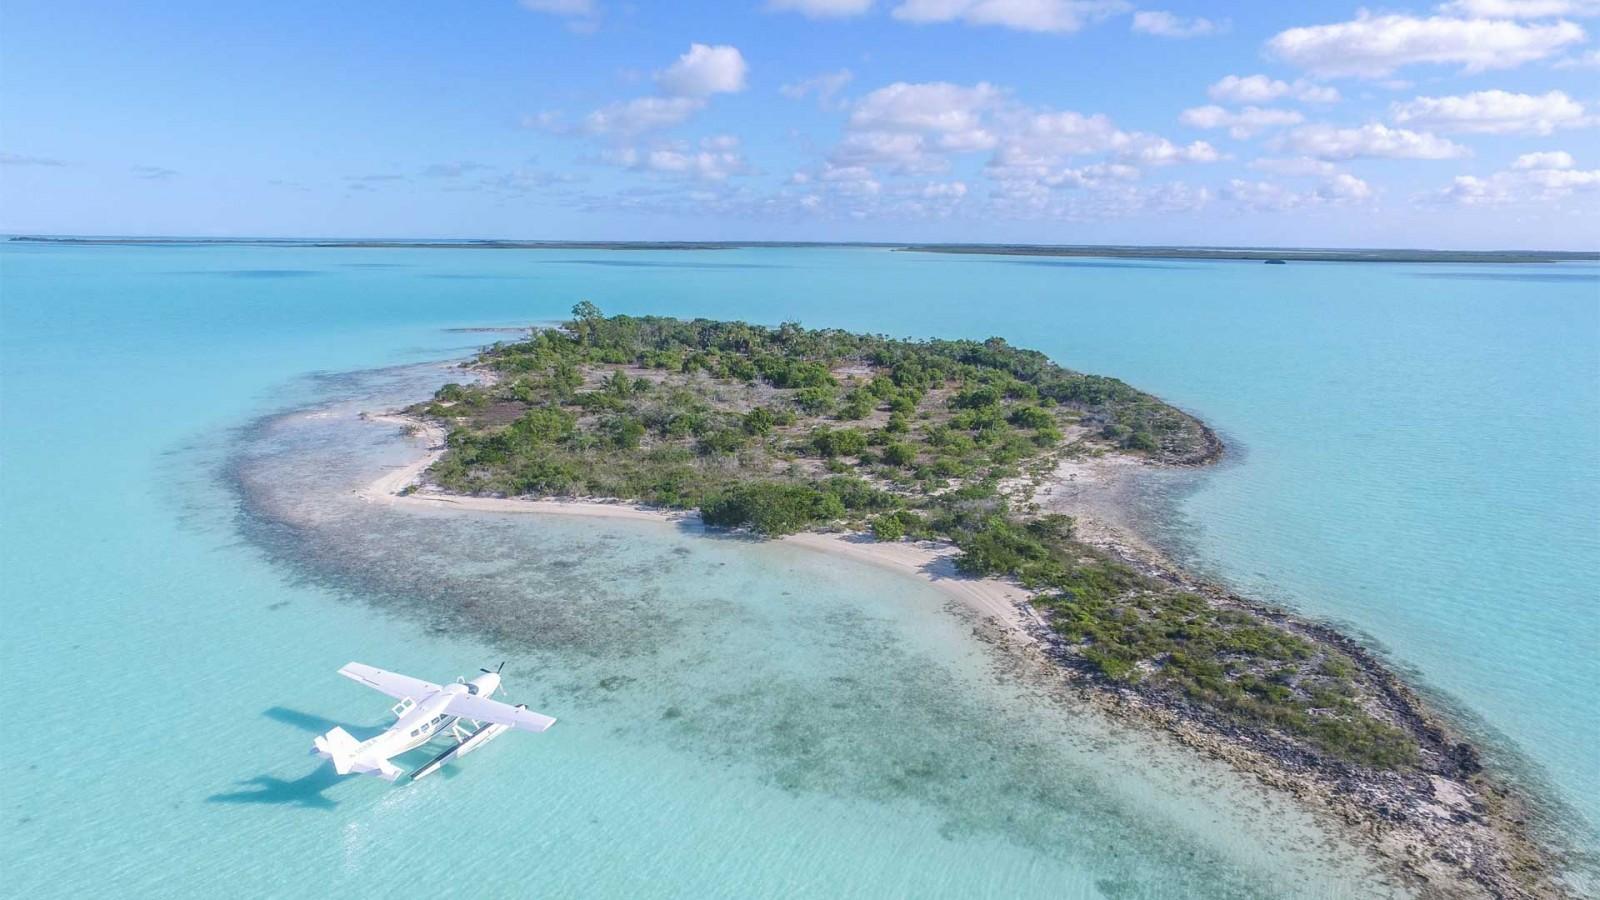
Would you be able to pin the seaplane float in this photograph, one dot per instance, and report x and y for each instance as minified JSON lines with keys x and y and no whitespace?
{"x":464,"y":712}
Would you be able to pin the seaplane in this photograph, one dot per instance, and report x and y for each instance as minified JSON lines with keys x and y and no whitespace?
{"x":464,"y":711}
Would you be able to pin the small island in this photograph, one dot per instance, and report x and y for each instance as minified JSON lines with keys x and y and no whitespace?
{"x":774,"y":431}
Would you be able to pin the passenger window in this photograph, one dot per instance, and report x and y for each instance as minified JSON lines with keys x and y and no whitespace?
{"x":414,"y":732}
{"x":426,"y":726}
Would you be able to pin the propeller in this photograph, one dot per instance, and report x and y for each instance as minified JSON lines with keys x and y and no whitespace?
{"x":496,"y":669}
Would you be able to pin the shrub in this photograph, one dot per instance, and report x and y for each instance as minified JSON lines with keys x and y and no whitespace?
{"x":626,"y":432}
{"x":1031,"y":417}
{"x":771,"y":508}
{"x":815,"y":400}
{"x":840,"y":442}
{"x":888,"y":528}
{"x":899,"y":453}
{"x":758,"y":421}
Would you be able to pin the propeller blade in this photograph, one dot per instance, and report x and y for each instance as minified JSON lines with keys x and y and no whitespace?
{"x":499,"y":667}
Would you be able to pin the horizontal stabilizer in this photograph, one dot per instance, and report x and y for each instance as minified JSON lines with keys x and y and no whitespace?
{"x":338,"y":746}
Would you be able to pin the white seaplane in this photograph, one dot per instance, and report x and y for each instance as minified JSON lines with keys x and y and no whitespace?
{"x":425,"y":711}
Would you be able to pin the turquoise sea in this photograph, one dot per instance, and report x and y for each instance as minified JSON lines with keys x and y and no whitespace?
{"x":1414,"y":451}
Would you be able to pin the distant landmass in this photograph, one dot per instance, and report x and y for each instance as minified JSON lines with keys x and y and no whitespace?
{"x":1268,"y":254}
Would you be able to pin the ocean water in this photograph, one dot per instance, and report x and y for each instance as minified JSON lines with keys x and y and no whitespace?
{"x":183,"y":566}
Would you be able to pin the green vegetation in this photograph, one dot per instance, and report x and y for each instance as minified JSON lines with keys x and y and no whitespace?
{"x":786,"y":429}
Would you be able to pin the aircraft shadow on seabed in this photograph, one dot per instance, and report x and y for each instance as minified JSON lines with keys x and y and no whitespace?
{"x":307,"y":790}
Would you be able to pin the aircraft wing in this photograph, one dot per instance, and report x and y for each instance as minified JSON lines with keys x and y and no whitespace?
{"x":485,"y":710}
{"x":394,"y":684}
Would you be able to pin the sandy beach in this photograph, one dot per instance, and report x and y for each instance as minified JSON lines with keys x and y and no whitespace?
{"x":999,"y":603}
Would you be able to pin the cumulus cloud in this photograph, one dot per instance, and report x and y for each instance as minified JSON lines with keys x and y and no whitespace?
{"x":1294,"y":165}
{"x":683,"y":89}
{"x":901,"y":151}
{"x":1241,"y":124}
{"x":1521,"y":9}
{"x":1375,"y":46}
{"x":632,"y":117}
{"x":1550,"y":159}
{"x":1153,"y":151}
{"x":1261,"y":89}
{"x":1534,"y":179}
{"x":930,"y":106}
{"x":824,"y":87}
{"x":1025,"y":15}
{"x":714,"y":159}
{"x":1338,"y":189}
{"x":703,"y":71}
{"x":821,"y":9}
{"x":1371,"y":141}
{"x":1590,"y":60}
{"x":1168,"y":25}
{"x":1493,"y":112}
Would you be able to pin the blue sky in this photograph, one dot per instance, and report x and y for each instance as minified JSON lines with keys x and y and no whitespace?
{"x":1468,"y":123}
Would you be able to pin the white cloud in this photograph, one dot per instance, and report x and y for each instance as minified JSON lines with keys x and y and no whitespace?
{"x":903,"y":151}
{"x":1493,"y":112}
{"x":1374,"y":46}
{"x":1064,"y":133}
{"x":1521,"y":9}
{"x":954,"y":112}
{"x":562,"y":7}
{"x":1261,"y":89}
{"x":631,"y":117}
{"x":1551,"y":159}
{"x":703,"y":71}
{"x":685,"y":88}
{"x":582,"y":15}
{"x":1295,"y":165}
{"x":1339,"y":189}
{"x":1025,"y":15}
{"x":1168,"y":25}
{"x":1590,"y":60}
{"x":1345,"y":187}
{"x":715,"y":159}
{"x":1535,"y":178}
{"x":824,"y":87}
{"x":1242,"y":124}
{"x":1153,"y":151}
{"x":1371,"y":141}
{"x":821,"y":9}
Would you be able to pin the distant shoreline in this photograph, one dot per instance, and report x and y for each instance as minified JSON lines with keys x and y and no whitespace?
{"x":1251,"y":254}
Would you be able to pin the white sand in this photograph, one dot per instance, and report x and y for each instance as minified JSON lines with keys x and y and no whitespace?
{"x":999,"y":602}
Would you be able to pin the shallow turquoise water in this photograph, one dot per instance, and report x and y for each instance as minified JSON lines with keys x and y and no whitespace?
{"x":1415,"y":458}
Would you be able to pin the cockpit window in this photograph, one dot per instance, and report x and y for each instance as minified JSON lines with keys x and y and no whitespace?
{"x":472,"y":689}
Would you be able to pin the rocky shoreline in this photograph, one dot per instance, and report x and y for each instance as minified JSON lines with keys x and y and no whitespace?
{"x":1448,"y":827}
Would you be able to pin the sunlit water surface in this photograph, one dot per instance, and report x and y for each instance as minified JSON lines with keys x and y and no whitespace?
{"x":185,"y":565}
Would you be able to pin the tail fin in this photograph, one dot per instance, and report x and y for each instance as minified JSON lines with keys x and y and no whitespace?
{"x":338,"y":746}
